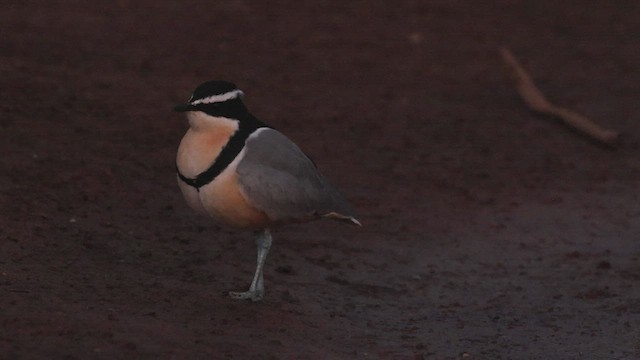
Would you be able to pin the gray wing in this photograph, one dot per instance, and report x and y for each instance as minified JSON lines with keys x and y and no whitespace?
{"x":279,"y":179}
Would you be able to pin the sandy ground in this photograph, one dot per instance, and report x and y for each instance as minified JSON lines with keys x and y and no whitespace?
{"x":490,"y":232}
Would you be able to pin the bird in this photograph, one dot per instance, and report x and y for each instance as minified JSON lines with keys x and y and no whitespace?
{"x":246,"y":175}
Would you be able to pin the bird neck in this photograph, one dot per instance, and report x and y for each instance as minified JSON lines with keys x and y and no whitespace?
{"x":200,"y":121}
{"x":210,"y":129}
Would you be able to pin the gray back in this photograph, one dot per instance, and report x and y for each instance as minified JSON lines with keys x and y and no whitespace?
{"x":280,"y":180}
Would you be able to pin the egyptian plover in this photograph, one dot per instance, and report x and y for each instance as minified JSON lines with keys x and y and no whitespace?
{"x":245,"y":174}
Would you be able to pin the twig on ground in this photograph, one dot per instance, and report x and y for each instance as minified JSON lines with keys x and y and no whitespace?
{"x":536,"y":101}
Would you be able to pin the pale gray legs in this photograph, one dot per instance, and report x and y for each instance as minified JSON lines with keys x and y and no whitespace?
{"x":256,"y":290}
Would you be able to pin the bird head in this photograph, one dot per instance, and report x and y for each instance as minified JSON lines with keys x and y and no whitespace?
{"x":216,"y":98}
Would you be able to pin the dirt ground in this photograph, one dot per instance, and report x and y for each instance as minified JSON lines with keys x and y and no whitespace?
{"x":489,"y":232}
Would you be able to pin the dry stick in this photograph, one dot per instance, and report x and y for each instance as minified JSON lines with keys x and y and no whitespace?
{"x":539,"y":103}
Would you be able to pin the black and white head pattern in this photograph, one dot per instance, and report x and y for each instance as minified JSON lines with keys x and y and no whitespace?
{"x":216,"y":98}
{"x":212,"y":92}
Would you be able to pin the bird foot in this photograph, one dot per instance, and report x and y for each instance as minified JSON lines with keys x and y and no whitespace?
{"x":254,"y":295}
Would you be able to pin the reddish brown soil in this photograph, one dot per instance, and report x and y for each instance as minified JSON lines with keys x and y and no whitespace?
{"x":490,"y":232}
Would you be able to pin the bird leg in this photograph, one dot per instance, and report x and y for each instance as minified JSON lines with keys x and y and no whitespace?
{"x":256,"y":290}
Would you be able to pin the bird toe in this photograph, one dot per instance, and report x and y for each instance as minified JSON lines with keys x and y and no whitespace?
{"x":246,"y":295}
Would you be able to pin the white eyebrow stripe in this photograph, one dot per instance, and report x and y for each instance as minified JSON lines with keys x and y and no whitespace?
{"x":219,"y":98}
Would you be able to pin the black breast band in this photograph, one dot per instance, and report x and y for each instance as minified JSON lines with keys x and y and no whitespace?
{"x":228,"y":153}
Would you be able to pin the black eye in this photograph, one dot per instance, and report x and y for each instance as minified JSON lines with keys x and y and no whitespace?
{"x":213,"y":107}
